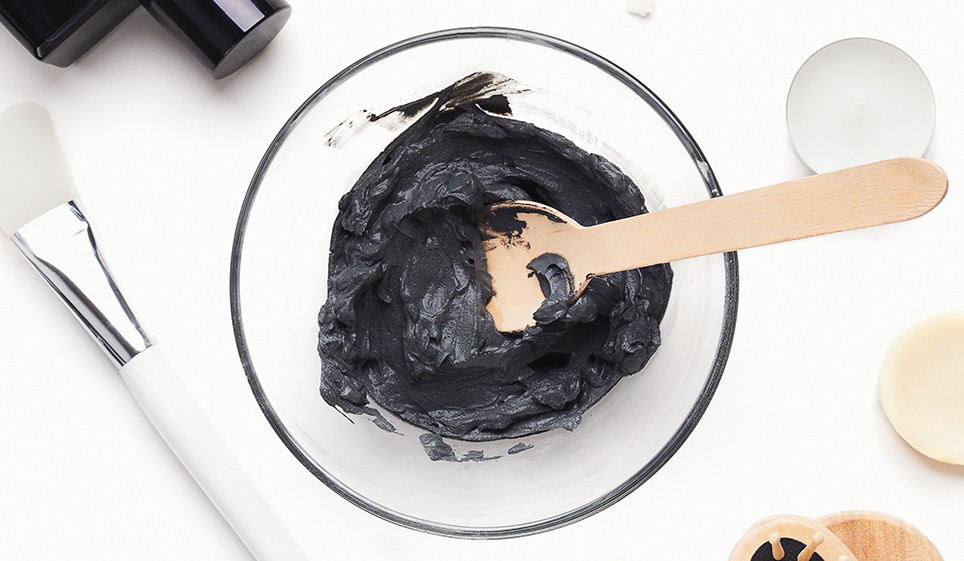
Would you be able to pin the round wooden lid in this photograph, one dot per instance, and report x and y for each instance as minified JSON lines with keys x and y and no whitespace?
{"x":874,"y":535}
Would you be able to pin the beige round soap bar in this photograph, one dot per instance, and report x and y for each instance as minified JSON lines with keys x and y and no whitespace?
{"x":875,"y":535}
{"x":922,"y":387}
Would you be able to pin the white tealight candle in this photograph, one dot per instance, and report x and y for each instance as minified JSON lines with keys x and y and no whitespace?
{"x":858,"y":101}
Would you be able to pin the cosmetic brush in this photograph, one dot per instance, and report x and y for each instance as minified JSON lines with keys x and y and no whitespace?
{"x":41,"y":212}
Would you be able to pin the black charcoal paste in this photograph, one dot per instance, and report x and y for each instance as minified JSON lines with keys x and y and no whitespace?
{"x":405,"y":324}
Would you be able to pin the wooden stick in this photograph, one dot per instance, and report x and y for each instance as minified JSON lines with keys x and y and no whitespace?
{"x":807,"y":552}
{"x":869,"y":195}
{"x":777,"y":546}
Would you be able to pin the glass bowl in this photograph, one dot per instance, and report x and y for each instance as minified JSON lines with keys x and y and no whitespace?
{"x":279,"y":270}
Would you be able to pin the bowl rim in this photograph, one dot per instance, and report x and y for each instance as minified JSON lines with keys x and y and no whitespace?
{"x":643,"y":474}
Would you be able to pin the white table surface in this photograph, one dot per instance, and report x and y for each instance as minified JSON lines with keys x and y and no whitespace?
{"x":162,"y":156}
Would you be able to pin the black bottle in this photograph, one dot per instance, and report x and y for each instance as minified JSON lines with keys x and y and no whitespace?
{"x":223,"y":34}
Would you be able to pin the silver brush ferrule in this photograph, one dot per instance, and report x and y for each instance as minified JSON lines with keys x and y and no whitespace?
{"x":61,"y":246}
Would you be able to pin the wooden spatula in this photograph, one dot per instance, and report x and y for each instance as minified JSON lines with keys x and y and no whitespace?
{"x":515,"y":233}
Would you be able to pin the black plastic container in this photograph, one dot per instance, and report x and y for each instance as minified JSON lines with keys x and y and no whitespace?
{"x":223,"y":34}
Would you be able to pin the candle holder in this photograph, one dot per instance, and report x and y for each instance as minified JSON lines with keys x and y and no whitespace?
{"x":858,"y":101}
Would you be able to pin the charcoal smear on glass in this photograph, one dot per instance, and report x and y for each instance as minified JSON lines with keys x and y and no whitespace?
{"x":405,"y":325}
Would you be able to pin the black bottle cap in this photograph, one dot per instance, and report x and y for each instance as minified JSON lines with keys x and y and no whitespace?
{"x":223,"y":34}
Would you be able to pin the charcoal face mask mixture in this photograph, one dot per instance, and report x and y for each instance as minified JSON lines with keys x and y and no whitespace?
{"x":405,"y":325}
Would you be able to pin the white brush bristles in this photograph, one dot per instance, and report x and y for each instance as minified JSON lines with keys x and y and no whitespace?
{"x":34,"y":176}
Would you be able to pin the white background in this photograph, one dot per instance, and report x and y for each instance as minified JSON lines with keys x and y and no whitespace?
{"x":162,"y":156}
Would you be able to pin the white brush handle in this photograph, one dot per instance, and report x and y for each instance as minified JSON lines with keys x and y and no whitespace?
{"x":192,"y":437}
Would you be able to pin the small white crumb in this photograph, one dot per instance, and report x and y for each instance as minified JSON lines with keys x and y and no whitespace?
{"x":640,"y":7}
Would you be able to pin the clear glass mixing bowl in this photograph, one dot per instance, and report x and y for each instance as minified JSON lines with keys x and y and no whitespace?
{"x":279,"y":282}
